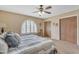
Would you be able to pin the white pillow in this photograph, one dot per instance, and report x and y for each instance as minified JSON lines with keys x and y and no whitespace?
{"x":3,"y":46}
{"x":3,"y":35}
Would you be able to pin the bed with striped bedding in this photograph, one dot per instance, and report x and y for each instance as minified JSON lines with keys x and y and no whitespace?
{"x":33,"y":44}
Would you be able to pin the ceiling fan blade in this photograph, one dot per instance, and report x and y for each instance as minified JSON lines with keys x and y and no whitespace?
{"x":35,"y":11}
{"x":47,"y":12}
{"x":48,"y":7}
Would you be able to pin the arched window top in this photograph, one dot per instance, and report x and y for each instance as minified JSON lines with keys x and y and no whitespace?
{"x":29,"y":26}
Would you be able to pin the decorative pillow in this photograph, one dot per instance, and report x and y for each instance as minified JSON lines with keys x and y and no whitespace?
{"x":11,"y":41}
{"x":3,"y":46}
{"x":18,"y":37}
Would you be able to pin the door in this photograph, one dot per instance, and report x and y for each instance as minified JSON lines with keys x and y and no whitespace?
{"x":68,"y":29}
{"x":47,"y":29}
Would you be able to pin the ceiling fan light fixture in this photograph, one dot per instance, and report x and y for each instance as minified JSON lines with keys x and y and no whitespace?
{"x":43,"y":12}
{"x":40,"y":13}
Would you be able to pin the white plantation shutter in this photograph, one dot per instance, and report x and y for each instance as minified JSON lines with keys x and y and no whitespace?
{"x":29,"y":27}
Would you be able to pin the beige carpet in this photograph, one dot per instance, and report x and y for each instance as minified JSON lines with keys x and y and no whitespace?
{"x":64,"y":47}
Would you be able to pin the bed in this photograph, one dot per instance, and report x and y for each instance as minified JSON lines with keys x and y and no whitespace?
{"x":33,"y":44}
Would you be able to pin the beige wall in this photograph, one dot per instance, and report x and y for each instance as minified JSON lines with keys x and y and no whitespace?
{"x":14,"y":21}
{"x":55,"y":19}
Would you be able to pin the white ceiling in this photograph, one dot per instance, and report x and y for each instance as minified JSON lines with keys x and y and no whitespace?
{"x":28,"y":9}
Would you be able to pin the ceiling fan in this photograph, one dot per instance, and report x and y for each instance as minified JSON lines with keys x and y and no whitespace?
{"x":41,"y":10}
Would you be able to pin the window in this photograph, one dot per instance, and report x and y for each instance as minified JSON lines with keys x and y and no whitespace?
{"x":29,"y":27}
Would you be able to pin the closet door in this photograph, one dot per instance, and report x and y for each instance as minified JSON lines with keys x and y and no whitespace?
{"x":68,"y":29}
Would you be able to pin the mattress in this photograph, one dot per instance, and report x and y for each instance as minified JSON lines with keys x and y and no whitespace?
{"x":31,"y":44}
